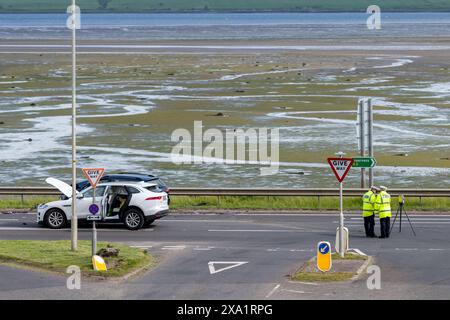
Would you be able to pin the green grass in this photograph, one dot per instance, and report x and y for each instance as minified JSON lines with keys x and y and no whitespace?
{"x":440,"y":204}
{"x":56,"y":256}
{"x":348,"y":256}
{"x":318,"y":276}
{"x":298,"y":203}
{"x":28,"y":202}
{"x":218,"y":5}
{"x":322,"y":277}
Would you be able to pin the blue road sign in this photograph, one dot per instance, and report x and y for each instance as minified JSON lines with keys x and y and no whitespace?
{"x":94,"y":209}
{"x":324,"y":248}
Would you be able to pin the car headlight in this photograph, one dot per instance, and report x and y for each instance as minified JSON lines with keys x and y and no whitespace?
{"x":42,"y":207}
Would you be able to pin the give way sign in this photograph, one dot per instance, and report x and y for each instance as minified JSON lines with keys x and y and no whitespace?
{"x":93,"y":175}
{"x":340,"y":167}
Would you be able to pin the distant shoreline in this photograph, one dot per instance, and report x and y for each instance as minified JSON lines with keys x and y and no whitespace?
{"x":87,"y":11}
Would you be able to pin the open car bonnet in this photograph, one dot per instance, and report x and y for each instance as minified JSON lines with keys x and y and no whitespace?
{"x":61,"y":186}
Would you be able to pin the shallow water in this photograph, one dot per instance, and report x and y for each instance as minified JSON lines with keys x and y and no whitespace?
{"x":225,"y":26}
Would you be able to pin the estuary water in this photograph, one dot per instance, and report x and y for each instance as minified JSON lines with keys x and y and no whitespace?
{"x":199,"y":26}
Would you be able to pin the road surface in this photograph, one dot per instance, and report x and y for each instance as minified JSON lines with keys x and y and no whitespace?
{"x":265,"y":248}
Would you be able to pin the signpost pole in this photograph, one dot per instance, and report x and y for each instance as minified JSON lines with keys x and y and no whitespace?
{"x":362,"y":140}
{"x":94,"y":231}
{"x":341,"y":167}
{"x":94,"y":239}
{"x":74,"y":222}
{"x":370,"y":136}
{"x":341,"y":217}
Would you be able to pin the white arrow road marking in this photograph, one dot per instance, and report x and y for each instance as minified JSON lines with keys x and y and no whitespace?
{"x":232,"y":264}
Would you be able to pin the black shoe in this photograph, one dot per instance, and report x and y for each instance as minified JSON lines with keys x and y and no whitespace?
{"x":381,"y":237}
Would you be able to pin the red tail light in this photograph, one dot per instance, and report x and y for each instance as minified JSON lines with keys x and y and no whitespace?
{"x":154,"y":198}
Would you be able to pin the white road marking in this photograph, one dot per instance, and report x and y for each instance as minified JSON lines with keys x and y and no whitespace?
{"x":232,"y":264}
{"x":432,"y":249}
{"x":294,"y":291}
{"x":66,"y":230}
{"x":141,"y":247}
{"x":307,"y":283}
{"x":203,"y":248}
{"x":358,"y":251}
{"x":203,"y":220}
{"x":406,"y":249}
{"x":9,"y":219}
{"x":173,"y":247}
{"x":273,"y":291}
{"x":256,"y":230}
{"x":414,"y":219}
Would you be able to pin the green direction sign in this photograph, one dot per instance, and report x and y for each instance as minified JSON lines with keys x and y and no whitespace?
{"x":364,"y":162}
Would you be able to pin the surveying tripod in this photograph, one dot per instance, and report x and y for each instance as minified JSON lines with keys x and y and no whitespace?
{"x":401,"y":210}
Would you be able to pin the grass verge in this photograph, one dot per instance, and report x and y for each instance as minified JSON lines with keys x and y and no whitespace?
{"x":322,"y":277}
{"x":56,"y":256}
{"x":348,"y":256}
{"x":310,"y":273}
{"x":438,"y":204}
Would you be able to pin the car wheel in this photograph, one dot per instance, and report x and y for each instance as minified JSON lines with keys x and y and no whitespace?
{"x":55,"y":219}
{"x":133,"y":219}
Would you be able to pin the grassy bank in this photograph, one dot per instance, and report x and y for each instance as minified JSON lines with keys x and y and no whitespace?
{"x":56,"y":256}
{"x":258,"y":202}
{"x":34,"y":6}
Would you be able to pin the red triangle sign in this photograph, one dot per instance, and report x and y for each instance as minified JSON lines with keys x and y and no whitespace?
{"x":340,"y":166}
{"x":93,"y":175}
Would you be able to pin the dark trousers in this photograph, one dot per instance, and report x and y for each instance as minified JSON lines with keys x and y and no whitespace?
{"x":369,"y":226}
{"x":385,"y":226}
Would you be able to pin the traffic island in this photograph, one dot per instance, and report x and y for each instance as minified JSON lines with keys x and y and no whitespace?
{"x":56,"y":257}
{"x":342,"y":269}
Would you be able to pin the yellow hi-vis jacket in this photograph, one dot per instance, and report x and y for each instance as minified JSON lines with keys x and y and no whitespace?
{"x":383,"y":205}
{"x":369,"y":199}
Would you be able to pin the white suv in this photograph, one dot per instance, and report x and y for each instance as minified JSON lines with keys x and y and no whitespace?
{"x":135,"y":204}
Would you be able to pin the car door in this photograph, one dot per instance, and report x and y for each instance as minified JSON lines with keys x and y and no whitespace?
{"x":88,"y":199}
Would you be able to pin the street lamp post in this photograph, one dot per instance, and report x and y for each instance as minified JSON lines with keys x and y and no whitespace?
{"x":74,"y":224}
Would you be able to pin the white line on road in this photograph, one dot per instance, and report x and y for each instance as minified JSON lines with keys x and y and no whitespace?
{"x":203,"y":248}
{"x":66,"y":230}
{"x":173,"y":247}
{"x":141,"y":247}
{"x":273,"y":291}
{"x":257,"y":230}
{"x":307,"y":283}
{"x":232,"y":264}
{"x":294,"y":291}
{"x":202,"y":220}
